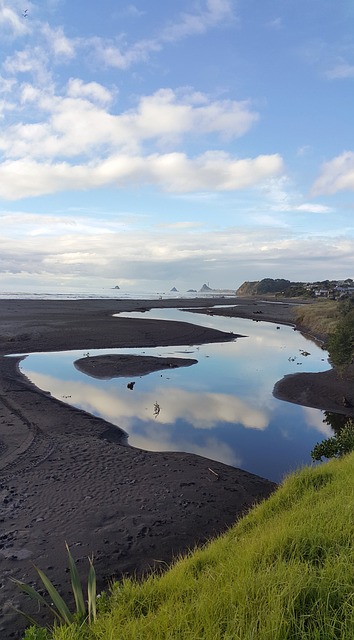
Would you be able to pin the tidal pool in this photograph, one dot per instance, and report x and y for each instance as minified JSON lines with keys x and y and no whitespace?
{"x":221,"y":408}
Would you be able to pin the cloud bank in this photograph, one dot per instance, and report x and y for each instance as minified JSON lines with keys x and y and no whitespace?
{"x":336,"y":175}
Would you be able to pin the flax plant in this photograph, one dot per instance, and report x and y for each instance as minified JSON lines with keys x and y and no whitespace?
{"x":62,"y":615}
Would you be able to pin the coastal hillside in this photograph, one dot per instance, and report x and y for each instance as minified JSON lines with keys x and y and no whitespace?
{"x":282,"y":572}
{"x":332,"y":289}
{"x":261,"y":287}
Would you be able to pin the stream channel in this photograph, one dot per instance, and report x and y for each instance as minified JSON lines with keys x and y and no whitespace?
{"x":221,"y":408}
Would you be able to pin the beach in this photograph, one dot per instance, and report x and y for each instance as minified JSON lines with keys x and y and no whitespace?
{"x":69,"y":476}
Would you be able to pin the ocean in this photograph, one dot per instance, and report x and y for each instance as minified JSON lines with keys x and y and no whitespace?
{"x":106,"y":293}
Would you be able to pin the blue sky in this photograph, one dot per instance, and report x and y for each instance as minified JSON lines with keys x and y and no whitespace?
{"x":153,"y":144}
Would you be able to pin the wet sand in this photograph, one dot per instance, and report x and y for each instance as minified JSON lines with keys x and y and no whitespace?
{"x":66,"y":475}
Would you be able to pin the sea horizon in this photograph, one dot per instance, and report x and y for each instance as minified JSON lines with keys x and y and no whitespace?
{"x":109,"y":293}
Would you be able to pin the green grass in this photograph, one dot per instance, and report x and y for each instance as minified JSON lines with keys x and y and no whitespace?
{"x":283,"y":572}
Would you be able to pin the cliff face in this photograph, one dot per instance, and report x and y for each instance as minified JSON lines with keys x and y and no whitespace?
{"x":247,"y":288}
{"x":259,"y":287}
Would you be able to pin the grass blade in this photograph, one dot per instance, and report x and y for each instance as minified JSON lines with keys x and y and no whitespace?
{"x":76,"y":586}
{"x":27,"y":616}
{"x":91,"y":592}
{"x":58,"y":601}
{"x":32,"y":593}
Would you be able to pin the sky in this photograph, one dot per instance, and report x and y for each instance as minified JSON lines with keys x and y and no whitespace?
{"x":151,"y":145}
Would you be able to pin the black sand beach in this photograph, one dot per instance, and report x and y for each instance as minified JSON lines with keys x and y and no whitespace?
{"x":68,"y":476}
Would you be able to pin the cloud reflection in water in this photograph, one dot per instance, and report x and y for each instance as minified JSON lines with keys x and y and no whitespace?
{"x":222,"y":408}
{"x":135,"y":414}
{"x":201,"y":409}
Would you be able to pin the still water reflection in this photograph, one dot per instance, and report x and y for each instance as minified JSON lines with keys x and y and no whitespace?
{"x":222,"y":407}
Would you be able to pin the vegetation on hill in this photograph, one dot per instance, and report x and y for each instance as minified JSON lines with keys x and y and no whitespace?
{"x":285,"y":571}
{"x":261,"y":287}
{"x":340,"y":343}
{"x":320,"y":318}
{"x":334,"y":289}
{"x":270,"y":286}
{"x":334,"y":322}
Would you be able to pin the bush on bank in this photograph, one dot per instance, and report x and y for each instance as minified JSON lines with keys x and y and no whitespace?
{"x":283,"y":572}
{"x":341,"y":341}
{"x":338,"y":445}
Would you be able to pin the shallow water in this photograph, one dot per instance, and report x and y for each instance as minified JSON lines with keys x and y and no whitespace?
{"x":221,"y":408}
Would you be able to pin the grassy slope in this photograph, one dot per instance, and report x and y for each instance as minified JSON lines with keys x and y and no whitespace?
{"x":285,"y":571}
{"x":320,"y":317}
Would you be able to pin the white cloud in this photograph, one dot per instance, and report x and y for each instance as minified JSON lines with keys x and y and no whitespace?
{"x":167,"y":113}
{"x":283,"y":198}
{"x":309,"y":207}
{"x":180,"y":225}
{"x":11,"y":20}
{"x":58,"y":43}
{"x":6,"y":84}
{"x":332,"y":58}
{"x":119,"y":149}
{"x":123,"y":56}
{"x":91,"y":90}
{"x":277,"y":190}
{"x":86,"y":247}
{"x":79,"y":124}
{"x":336,"y":175}
{"x":174,"y":172}
{"x":54,"y":43}
{"x":341,"y":71}
{"x":214,"y":12}
{"x":75,"y":258}
{"x":214,"y":170}
{"x":32,"y":61}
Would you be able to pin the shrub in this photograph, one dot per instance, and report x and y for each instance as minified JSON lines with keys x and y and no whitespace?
{"x":36,"y":633}
{"x":341,"y":342}
{"x":336,"y":446}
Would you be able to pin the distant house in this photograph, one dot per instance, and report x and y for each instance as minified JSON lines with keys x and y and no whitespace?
{"x":344,"y":291}
{"x":322,"y":293}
